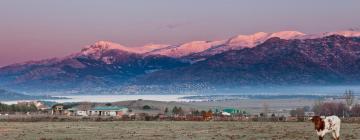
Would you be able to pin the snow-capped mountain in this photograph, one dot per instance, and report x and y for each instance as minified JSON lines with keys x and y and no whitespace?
{"x":321,"y":35}
{"x":103,"y":64}
{"x":185,"y":49}
{"x":260,"y":37}
{"x":196,"y":50}
{"x":204,"y":48}
{"x":329,"y":60}
{"x":281,"y":57}
{"x":107,"y":45}
{"x":190,"y":47}
{"x":215,"y":47}
{"x":240,"y":42}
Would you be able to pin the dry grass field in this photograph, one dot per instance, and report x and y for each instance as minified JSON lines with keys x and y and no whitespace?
{"x":167,"y":130}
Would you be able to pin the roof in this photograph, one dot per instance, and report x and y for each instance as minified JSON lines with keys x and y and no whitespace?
{"x":108,"y":108}
{"x":230,"y":110}
{"x":84,"y":106}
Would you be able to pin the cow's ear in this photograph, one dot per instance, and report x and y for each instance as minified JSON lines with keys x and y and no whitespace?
{"x":311,"y":119}
{"x":315,"y":119}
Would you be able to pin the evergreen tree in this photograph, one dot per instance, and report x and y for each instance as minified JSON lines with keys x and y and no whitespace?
{"x":166,"y":111}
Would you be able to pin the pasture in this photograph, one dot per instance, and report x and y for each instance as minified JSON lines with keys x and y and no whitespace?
{"x":167,"y":130}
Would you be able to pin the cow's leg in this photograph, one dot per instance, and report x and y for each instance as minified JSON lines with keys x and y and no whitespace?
{"x":337,"y":133}
{"x":334,"y":135}
{"x":321,"y":138}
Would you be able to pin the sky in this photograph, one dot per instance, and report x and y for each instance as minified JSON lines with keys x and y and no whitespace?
{"x":38,"y":29}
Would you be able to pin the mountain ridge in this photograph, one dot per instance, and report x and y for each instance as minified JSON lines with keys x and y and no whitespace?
{"x":333,"y":59}
{"x":151,"y":49}
{"x":330,"y":60}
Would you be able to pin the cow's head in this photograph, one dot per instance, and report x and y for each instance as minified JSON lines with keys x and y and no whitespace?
{"x":319,"y":123}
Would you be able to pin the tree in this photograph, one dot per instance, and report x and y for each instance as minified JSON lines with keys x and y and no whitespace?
{"x":355,"y":111}
{"x":349,"y":98}
{"x":17,"y":108}
{"x":166,"y":111}
{"x":146,"y":107}
{"x":317,"y":108}
{"x":203,"y":112}
{"x":175,"y":110}
{"x":196,"y":113}
{"x":180,"y":111}
{"x":298,"y":112}
{"x":266,"y":109}
{"x":330,"y":108}
{"x":306,"y":108}
{"x":244,"y":113}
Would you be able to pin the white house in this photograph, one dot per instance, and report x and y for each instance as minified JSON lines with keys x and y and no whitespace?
{"x":108,"y":111}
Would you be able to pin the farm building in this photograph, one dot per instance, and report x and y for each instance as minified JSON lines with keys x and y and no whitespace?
{"x":108,"y":111}
{"x":75,"y":111}
{"x":207,"y":116}
{"x":309,"y":114}
{"x":58,"y":110}
{"x":81,"y":110}
{"x":231,"y":111}
{"x":279,"y":113}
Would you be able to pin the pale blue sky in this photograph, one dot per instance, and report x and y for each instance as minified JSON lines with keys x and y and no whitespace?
{"x":35,"y":29}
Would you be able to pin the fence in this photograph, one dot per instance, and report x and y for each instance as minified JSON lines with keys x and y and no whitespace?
{"x":145,"y":117}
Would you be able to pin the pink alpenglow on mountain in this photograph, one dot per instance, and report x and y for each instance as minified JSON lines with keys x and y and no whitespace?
{"x":186,"y":49}
{"x":209,"y":47}
{"x":260,"y":37}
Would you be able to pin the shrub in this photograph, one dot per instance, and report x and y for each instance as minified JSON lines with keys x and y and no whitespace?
{"x":146,"y":107}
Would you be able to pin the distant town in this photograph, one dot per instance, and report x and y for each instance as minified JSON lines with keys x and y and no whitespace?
{"x":345,"y":106}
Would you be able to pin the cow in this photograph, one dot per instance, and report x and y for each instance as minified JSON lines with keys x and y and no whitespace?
{"x":327,"y":125}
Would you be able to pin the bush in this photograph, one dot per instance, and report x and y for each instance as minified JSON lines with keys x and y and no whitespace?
{"x":146,"y":107}
{"x":355,"y":111}
{"x":17,"y":108}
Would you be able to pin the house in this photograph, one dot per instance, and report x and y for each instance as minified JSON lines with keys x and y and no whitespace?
{"x":108,"y":111}
{"x":77,"y":112}
{"x":207,"y":116}
{"x":58,"y":110}
{"x":225,"y":114}
{"x":81,"y":110}
{"x":279,"y":113}
{"x":231,"y":111}
{"x":309,"y":114}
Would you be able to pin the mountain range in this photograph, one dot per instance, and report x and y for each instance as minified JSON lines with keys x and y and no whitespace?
{"x":9,"y":96}
{"x":281,"y":58}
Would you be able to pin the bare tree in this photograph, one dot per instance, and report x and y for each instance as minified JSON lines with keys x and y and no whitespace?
{"x":298,"y":112}
{"x":355,"y":111}
{"x":166,"y":111}
{"x":349,"y":98}
{"x":317,"y":108}
{"x":266,"y":109}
